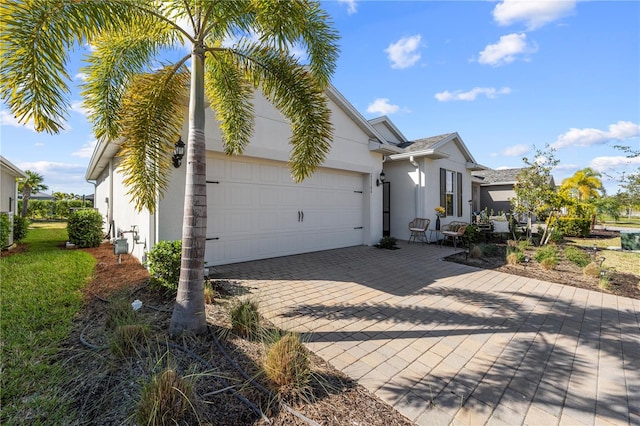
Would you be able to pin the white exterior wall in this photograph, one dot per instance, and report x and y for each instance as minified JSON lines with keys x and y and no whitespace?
{"x":349,"y":152}
{"x":125,"y":216}
{"x":8,"y":191}
{"x":404,"y":183}
{"x":415,"y":191}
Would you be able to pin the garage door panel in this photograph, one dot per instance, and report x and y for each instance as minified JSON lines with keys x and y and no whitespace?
{"x":256,"y":211}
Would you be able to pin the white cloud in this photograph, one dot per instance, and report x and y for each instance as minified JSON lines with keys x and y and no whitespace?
{"x":64,"y":177}
{"x":620,"y":131}
{"x":471,"y":95}
{"x":78,"y":107}
{"x":515,"y":150}
{"x":404,"y":52}
{"x":352,"y":6}
{"x":533,"y":13}
{"x":6,"y":119}
{"x":382,"y":106}
{"x":604,"y":164}
{"x":81,"y":76}
{"x":505,"y":50}
{"x":86,"y":151}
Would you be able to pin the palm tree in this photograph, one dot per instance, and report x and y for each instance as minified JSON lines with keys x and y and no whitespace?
{"x":33,"y":183}
{"x":138,"y":97}
{"x":585,"y":184}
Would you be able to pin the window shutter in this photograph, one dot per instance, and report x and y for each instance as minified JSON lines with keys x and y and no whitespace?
{"x":443,"y":187}
{"x":459,"y":194}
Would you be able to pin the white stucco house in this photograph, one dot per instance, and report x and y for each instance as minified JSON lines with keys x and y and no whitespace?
{"x":9,"y":175}
{"x":256,"y":211}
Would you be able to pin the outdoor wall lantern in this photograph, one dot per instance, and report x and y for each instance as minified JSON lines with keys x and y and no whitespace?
{"x":380,"y":179}
{"x":178,"y":153}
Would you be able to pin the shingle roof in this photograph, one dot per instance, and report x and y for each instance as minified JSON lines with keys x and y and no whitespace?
{"x":491,"y":176}
{"x":424,"y":143}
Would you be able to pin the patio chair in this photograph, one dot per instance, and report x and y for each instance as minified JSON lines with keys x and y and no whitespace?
{"x":454,"y":232}
{"x":418,"y":228}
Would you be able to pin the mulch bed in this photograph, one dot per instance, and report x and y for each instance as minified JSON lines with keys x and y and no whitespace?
{"x":567,"y":273}
{"x":106,"y":388}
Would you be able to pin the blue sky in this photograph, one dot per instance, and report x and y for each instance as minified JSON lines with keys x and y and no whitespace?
{"x":505,"y":75}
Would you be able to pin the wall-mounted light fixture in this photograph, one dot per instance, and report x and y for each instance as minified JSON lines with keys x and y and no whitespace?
{"x":178,"y":153}
{"x":380,"y":179}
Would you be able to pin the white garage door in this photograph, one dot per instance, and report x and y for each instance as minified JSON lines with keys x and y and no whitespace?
{"x":255,"y":211}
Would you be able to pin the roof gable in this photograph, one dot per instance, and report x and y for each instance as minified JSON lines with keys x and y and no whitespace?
{"x":431,"y":147}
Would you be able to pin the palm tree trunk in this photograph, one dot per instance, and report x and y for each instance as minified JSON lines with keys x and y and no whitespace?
{"x":26,"y":194}
{"x":188,"y":312}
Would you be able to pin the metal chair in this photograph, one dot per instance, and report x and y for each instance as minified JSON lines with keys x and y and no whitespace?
{"x":454,"y":232}
{"x":418,"y":228}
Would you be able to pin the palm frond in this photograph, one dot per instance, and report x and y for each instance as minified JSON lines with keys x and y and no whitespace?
{"x":298,"y":95}
{"x":35,"y":38}
{"x":152,"y":116}
{"x":230,"y":95}
{"x":283,"y":24}
{"x":117,"y":56}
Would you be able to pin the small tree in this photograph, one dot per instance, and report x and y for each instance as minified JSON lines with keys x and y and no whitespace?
{"x":535,"y":191}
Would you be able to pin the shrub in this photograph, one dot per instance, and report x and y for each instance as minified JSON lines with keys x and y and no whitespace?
{"x":163,"y":262}
{"x":546,"y":252}
{"x":20,"y":227}
{"x":592,"y":270}
{"x":577,"y":256}
{"x":549,"y":263}
{"x":574,"y":226}
{"x":515,"y":257}
{"x":287,"y":365}
{"x":556,"y":236}
{"x":5,"y":230}
{"x":524,"y":245}
{"x":387,"y":242}
{"x":85,"y":228}
{"x":489,"y":250}
{"x":472,"y":234}
{"x":165,"y":399}
{"x":245,"y":318}
{"x":475,"y":252}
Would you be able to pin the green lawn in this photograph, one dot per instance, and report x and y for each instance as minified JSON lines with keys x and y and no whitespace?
{"x":619,"y":260}
{"x":39,"y":295}
{"x":623,"y":222}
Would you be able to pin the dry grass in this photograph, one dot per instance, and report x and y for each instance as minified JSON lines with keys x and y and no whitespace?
{"x":287,"y":366}
{"x":165,"y":399}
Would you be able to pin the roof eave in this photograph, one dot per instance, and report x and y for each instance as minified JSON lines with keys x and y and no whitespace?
{"x":428,"y":153}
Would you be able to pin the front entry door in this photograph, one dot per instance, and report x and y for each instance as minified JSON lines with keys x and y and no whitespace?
{"x":386,"y":209}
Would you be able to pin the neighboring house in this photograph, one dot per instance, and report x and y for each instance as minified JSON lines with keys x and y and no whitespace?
{"x":255,"y":210}
{"x":423,"y":174}
{"x":9,"y":174}
{"x":496,"y":188}
{"x":41,"y":196}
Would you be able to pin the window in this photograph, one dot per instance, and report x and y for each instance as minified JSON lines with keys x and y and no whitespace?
{"x":451,"y":192}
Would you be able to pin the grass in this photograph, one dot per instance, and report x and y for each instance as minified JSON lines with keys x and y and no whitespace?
{"x":624,"y":222}
{"x":620,"y":260}
{"x":40,"y":294}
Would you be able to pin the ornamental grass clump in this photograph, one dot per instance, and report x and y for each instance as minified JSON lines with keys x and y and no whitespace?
{"x":592,"y":270}
{"x":165,"y":399}
{"x":549,"y":263}
{"x":245,"y":319}
{"x":287,"y":366}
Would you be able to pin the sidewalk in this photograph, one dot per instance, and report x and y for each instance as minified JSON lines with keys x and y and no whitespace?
{"x":445,"y":343}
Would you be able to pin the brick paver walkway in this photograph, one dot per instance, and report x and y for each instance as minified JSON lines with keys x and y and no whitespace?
{"x":444,"y":343}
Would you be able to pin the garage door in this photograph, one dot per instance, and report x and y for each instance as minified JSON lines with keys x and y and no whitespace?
{"x":255,"y":211}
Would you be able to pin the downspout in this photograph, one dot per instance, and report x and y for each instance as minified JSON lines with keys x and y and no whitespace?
{"x":415,"y":164}
{"x":110,"y":204}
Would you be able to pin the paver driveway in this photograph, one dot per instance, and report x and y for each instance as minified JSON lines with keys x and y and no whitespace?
{"x":449,"y":344}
